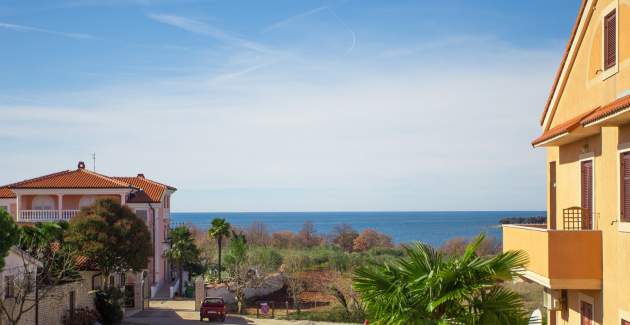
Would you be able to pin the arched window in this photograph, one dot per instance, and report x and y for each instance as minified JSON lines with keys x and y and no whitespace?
{"x":43,"y":202}
{"x":86,"y":201}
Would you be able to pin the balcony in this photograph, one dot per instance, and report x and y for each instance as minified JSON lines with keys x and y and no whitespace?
{"x":570,"y":258}
{"x":45,"y":215}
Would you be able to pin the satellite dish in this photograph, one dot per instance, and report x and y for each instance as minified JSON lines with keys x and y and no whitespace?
{"x":536,"y":318}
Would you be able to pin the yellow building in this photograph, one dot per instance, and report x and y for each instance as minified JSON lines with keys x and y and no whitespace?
{"x":582,"y":255}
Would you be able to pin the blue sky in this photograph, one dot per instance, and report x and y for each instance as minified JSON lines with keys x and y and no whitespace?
{"x":286,"y":105}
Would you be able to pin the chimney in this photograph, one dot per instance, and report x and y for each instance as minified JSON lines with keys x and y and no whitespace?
{"x":140,"y":175}
{"x":81,"y":165}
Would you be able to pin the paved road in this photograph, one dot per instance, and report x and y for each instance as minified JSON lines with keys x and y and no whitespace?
{"x":181,"y":312}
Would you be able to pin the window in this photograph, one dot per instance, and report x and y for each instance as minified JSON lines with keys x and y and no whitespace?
{"x":624,"y":184}
{"x":142,"y":214}
{"x":123,"y":279}
{"x":625,"y":322}
{"x":97,"y":282}
{"x":28,"y":279}
{"x":112,"y":281}
{"x":610,"y":40}
{"x":9,"y":286}
{"x":72,"y":302}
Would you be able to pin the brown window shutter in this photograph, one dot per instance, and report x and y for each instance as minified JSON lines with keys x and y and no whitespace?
{"x":587,"y":193}
{"x":610,"y":40}
{"x":625,"y":187}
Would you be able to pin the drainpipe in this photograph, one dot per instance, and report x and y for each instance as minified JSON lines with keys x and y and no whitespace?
{"x":153,"y":231}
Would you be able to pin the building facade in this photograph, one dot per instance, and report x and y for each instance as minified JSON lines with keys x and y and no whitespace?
{"x":60,"y":196}
{"x":582,"y":255}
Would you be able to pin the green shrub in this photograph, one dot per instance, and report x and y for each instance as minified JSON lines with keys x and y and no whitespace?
{"x":82,"y":316}
{"x":339,"y":261}
{"x":107,"y":305}
{"x":267,"y":258}
{"x":335,"y":313}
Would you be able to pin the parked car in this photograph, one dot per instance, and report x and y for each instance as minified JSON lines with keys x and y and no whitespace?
{"x":212,"y":308}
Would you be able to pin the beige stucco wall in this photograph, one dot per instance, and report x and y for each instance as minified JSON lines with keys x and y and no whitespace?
{"x":585,"y":89}
{"x":604,"y":149}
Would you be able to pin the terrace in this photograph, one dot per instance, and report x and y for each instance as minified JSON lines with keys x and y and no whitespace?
{"x":567,"y":258}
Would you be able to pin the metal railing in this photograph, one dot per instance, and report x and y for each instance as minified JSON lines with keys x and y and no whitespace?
{"x":46,"y":215}
{"x":577,"y":218}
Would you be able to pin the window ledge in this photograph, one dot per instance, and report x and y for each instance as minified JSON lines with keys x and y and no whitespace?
{"x":623,"y":227}
{"x":610,"y":72}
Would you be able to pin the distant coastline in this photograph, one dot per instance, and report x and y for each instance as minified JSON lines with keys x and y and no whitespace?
{"x":431,"y":227}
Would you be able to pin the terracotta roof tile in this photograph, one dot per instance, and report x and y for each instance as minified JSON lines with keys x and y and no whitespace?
{"x":563,"y":127}
{"x":565,"y":56}
{"x":608,"y":110}
{"x":6,"y":193}
{"x":151,"y":190}
{"x":79,"y":178}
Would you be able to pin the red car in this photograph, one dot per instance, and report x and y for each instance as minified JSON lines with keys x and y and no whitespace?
{"x":212,"y":308}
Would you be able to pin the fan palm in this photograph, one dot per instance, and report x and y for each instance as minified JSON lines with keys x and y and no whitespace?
{"x":182,"y":251}
{"x":427,"y":287}
{"x":220,"y":229}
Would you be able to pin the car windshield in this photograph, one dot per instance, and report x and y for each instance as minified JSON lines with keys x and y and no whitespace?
{"x":213,"y":301}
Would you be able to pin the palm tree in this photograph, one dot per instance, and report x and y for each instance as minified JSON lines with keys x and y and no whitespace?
{"x":220,"y":229}
{"x":427,"y":287}
{"x":183,"y":251}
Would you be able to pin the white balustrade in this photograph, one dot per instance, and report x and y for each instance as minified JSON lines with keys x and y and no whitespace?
{"x":46,"y":215}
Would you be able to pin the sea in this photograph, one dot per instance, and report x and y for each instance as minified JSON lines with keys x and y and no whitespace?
{"x":434,"y":228}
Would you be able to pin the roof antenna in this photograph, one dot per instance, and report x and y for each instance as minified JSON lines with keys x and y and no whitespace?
{"x":94,"y":161}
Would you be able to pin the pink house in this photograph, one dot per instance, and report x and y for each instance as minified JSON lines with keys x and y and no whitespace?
{"x":61,"y":195}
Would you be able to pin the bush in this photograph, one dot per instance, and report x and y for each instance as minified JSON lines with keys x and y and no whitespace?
{"x":267,"y":258}
{"x":339,"y":261}
{"x":82,"y":316}
{"x":107,"y":304}
{"x":335,"y":313}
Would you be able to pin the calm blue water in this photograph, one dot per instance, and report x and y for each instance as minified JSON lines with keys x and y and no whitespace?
{"x":430,"y":227}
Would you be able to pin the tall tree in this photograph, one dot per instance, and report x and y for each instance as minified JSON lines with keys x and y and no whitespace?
{"x":9,"y":235}
{"x":45,"y":261}
{"x":427,"y":287}
{"x":112,"y":237}
{"x":183,"y":251}
{"x":220,"y":229}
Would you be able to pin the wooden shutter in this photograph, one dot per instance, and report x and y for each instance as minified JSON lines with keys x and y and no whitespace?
{"x":587,"y":194}
{"x":625,"y":322}
{"x":624,"y":183}
{"x":610,"y":40}
{"x":586,"y":313}
{"x":552,"y":195}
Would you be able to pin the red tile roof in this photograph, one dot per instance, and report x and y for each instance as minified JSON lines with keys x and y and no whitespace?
{"x":565,"y":56}
{"x":608,"y":110}
{"x":79,"y":178}
{"x":153,"y":190}
{"x":148,"y":191}
{"x":564,"y":127}
{"x":6,"y":193}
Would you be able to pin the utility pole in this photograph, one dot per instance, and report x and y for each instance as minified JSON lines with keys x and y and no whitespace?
{"x":94,"y":161}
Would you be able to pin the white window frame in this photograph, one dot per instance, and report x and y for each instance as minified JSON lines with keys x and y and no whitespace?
{"x":607,"y":73}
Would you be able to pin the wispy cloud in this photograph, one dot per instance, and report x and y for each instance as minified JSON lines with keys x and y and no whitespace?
{"x":198,"y":27}
{"x":287,"y":21}
{"x":22,"y":28}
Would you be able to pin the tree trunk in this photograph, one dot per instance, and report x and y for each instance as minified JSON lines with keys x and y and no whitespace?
{"x":219,"y":244}
{"x":181,"y":279}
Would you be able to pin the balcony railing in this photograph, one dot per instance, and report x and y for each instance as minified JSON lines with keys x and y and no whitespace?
{"x":46,"y":215}
{"x":576,"y":218}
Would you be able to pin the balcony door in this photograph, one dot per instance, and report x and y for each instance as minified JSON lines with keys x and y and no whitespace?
{"x":587,"y":194}
{"x":586,"y":313}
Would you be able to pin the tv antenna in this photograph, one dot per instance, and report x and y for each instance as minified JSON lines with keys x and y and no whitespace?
{"x":94,"y":161}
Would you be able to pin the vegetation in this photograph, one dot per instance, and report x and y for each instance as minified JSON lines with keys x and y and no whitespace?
{"x":183,"y":252}
{"x":112,"y":237}
{"x":107,"y":304}
{"x":81,"y":316}
{"x":220,"y":229}
{"x":9,"y":235}
{"x":524,"y":220}
{"x":43,"y":242}
{"x":428,"y":287}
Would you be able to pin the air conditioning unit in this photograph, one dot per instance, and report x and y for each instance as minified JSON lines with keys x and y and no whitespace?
{"x":551,"y":300}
